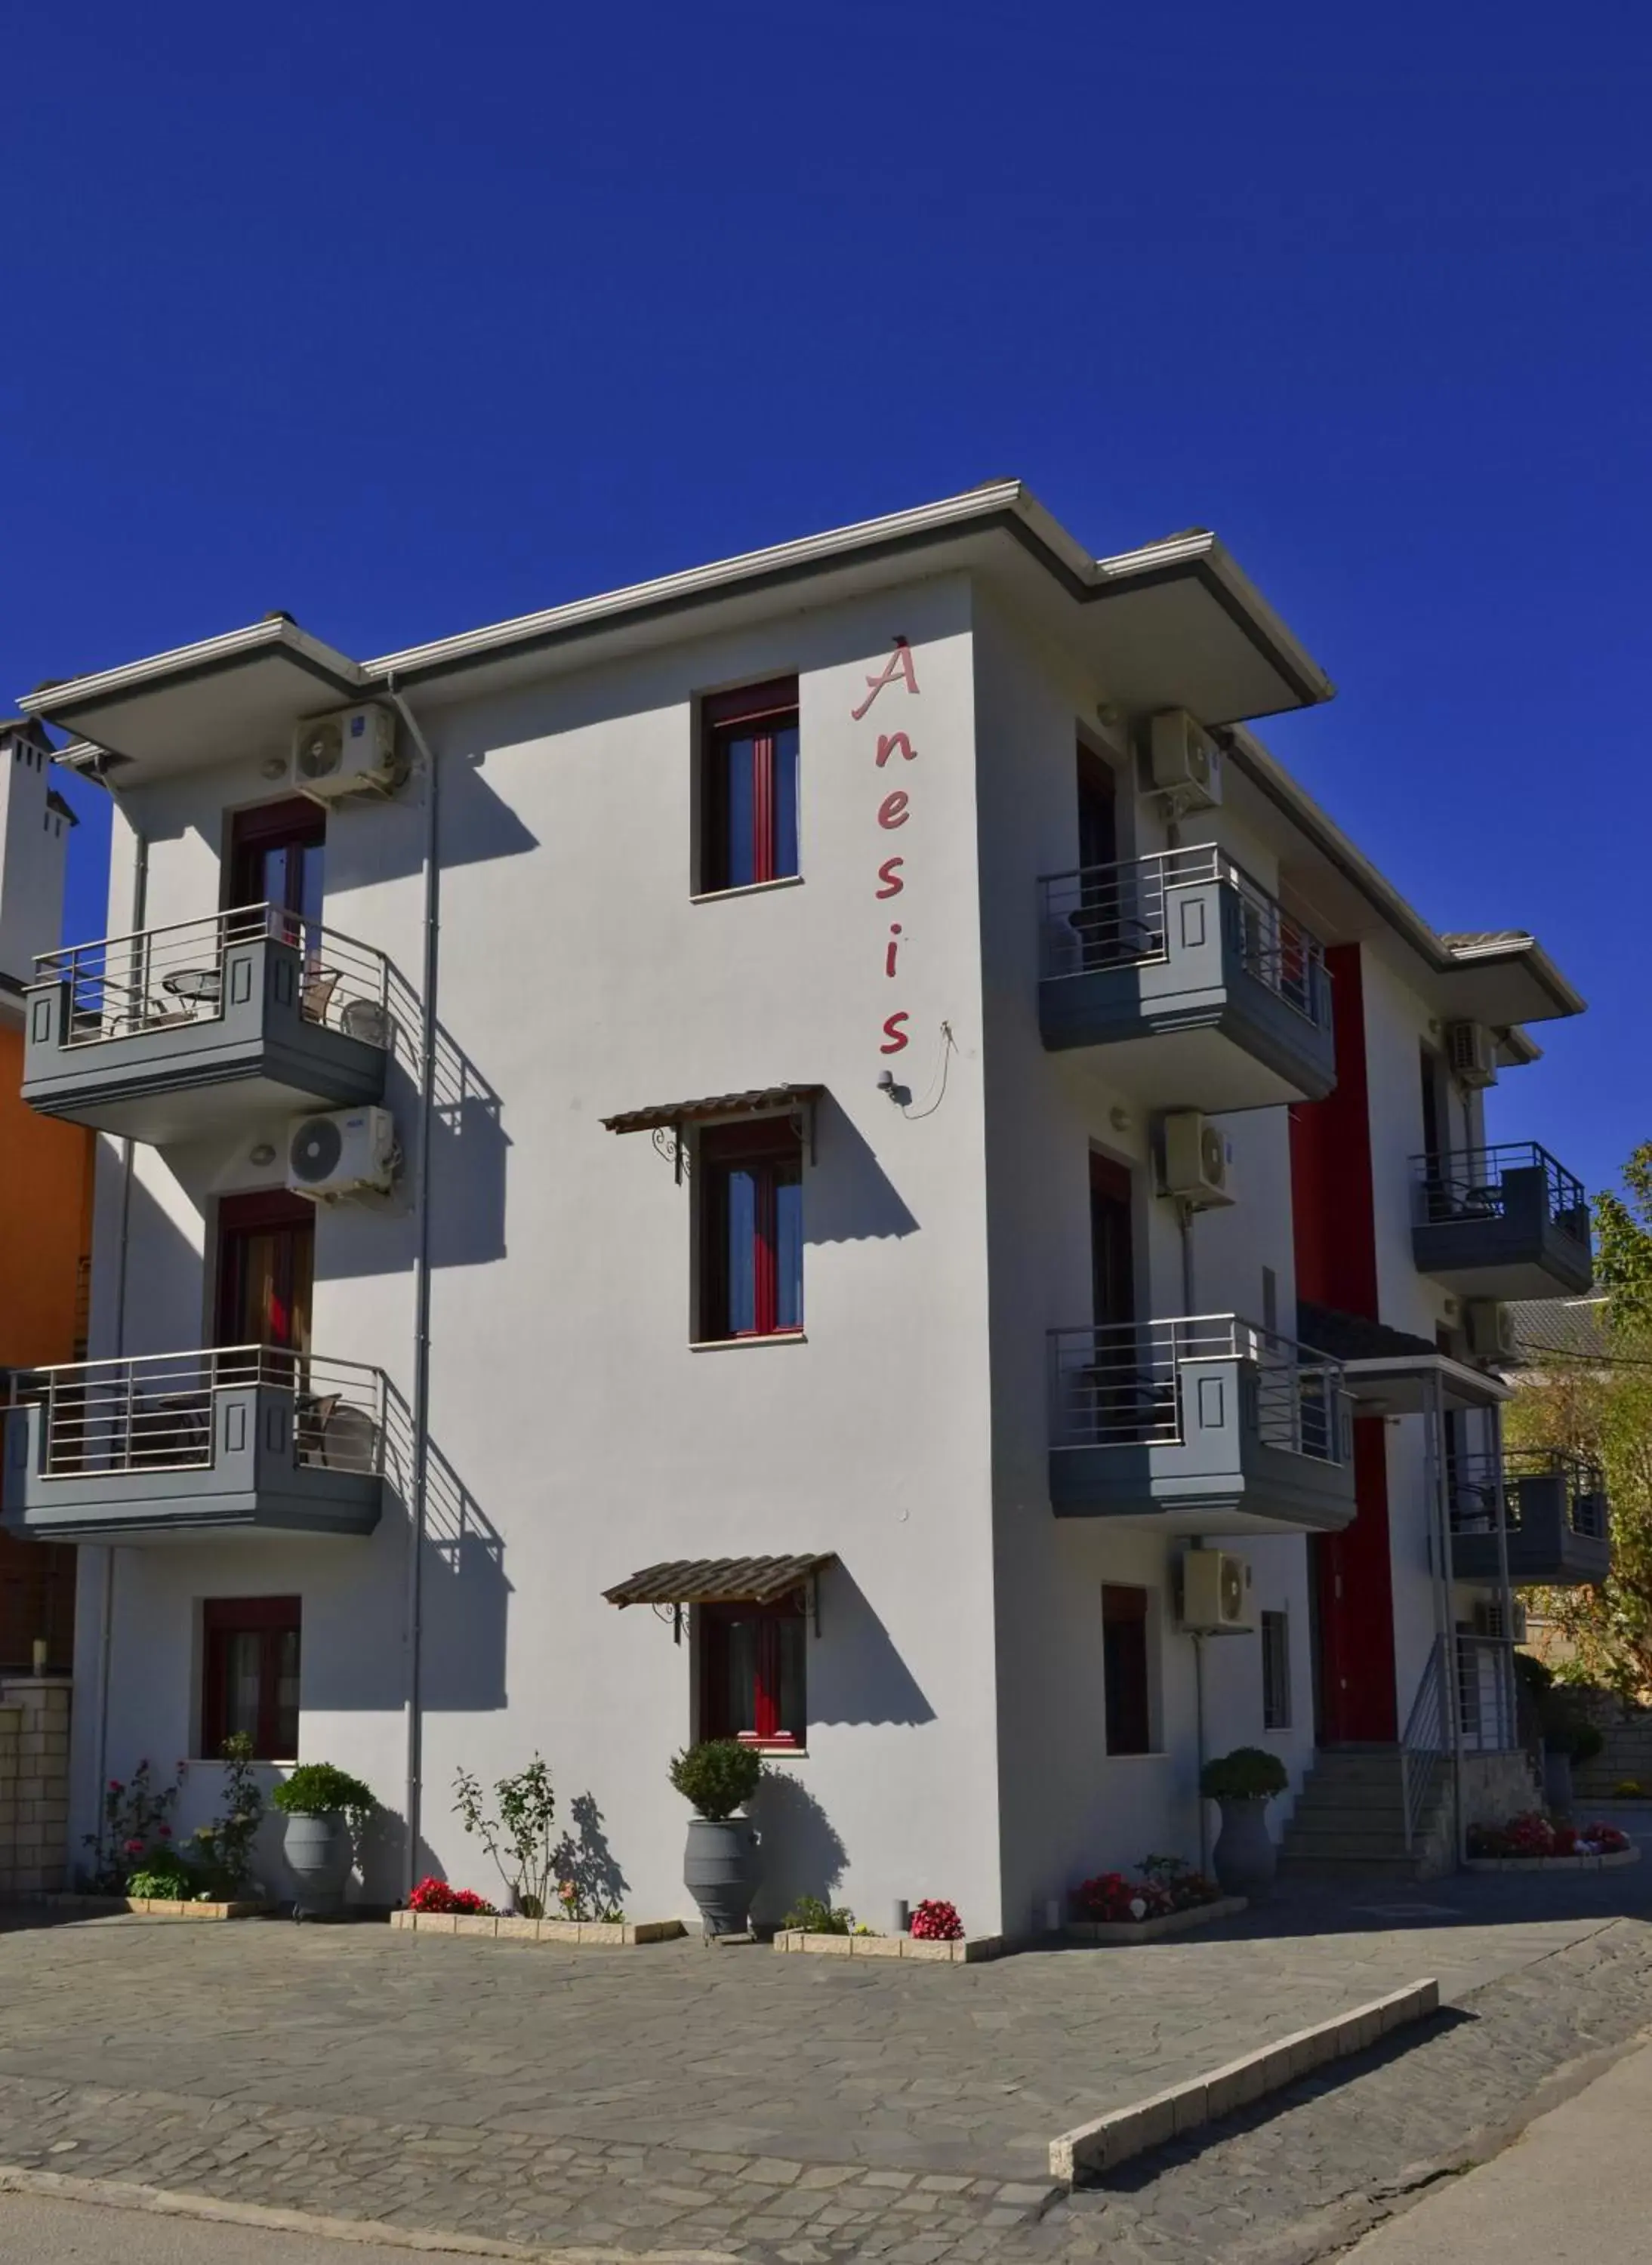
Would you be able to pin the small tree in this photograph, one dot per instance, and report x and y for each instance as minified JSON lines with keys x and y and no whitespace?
{"x":1601,"y":1406}
{"x":518,"y":1838}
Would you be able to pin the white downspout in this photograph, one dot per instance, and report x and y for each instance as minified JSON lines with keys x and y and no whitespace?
{"x":420,"y":1397}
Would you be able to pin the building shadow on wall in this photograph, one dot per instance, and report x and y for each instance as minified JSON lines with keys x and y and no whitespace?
{"x":855,"y":1674}
{"x":850,"y":1197}
{"x":802,"y":1854}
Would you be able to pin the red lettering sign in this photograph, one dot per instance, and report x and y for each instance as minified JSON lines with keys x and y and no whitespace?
{"x":899,"y":665}
{"x":888,"y":874}
{"x":895,"y":743}
{"x":896,"y":1039}
{"x":892,"y":810}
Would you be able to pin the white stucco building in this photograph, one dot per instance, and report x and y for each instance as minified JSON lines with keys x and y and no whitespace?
{"x":780,"y":1173}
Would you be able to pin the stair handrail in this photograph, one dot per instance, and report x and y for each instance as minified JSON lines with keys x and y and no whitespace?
{"x":1424,"y":1747}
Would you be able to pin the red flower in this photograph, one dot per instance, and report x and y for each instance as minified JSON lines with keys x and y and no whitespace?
{"x":936,"y":1921}
{"x":114,"y":1785}
{"x":165,"y":1831}
{"x":434,"y":1895}
{"x":134,"y":1847}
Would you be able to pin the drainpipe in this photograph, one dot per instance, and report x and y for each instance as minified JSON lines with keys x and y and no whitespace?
{"x":1505,"y":1667}
{"x":1185,"y":1215}
{"x":106,"y":1618}
{"x":1451,"y":1696}
{"x":1198,"y":1709}
{"x":420,"y":1408}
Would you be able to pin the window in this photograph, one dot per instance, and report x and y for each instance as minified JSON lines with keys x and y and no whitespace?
{"x":749,"y":786}
{"x":1275,"y":1672}
{"x":1124,"y":1669}
{"x":249,"y":1679}
{"x":751,"y":1672}
{"x":751,"y":1220}
{"x":275,"y":858}
{"x":267,"y":1267}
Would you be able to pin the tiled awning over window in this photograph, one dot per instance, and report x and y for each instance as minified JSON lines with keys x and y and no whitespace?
{"x":718,"y":1580}
{"x":760,"y":1102}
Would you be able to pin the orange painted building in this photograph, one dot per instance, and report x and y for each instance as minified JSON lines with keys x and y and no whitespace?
{"x":46,"y":1171}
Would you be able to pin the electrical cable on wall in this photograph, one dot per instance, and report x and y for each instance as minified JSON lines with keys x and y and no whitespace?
{"x":949,"y":1046}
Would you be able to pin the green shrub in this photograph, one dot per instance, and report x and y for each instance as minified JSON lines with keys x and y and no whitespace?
{"x":1628,"y":1789}
{"x":718,"y":1776}
{"x":164,"y":1876}
{"x":519,"y":1837}
{"x":318,"y":1789}
{"x":1248,"y":1773}
{"x":809,"y":1915}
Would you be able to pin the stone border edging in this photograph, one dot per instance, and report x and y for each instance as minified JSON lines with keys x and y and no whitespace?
{"x":967,"y":1950}
{"x":1613,"y":1860}
{"x":1151,"y":1930}
{"x":499,"y":1927}
{"x":1092,"y":2148}
{"x":141,"y":1907}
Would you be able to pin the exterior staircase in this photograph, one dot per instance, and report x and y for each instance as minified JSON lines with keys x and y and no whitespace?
{"x":1350,"y":1819}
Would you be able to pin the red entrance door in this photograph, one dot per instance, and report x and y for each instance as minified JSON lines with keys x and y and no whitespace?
{"x":1356,"y":1607}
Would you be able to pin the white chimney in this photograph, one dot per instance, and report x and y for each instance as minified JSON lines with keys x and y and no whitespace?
{"x":34,"y":829}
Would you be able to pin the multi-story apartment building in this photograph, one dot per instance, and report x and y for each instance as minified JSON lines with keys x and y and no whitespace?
{"x":892,"y":955}
{"x":45,"y":1182}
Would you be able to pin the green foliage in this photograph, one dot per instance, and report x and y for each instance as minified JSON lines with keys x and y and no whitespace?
{"x":1248,"y":1773}
{"x":1603,"y":1408}
{"x":318,"y":1789}
{"x":718,"y":1776}
{"x":519,"y":1837}
{"x":224,"y":1847}
{"x":136,"y":1815}
{"x":809,"y":1915}
{"x":164,"y":1877}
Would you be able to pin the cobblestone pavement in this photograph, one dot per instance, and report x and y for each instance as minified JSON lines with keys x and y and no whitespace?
{"x":737,"y":2102}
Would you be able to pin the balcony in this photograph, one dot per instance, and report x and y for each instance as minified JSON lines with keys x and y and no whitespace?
{"x":1204,"y":1425}
{"x":166,"y":1446}
{"x":1555,"y":1518}
{"x":1501,"y":1222}
{"x":1205,"y":992}
{"x":183,"y":1030}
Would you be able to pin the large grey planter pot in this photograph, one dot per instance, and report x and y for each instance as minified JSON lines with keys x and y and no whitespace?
{"x":1244,"y":1858}
{"x":1557,"y":1784}
{"x":318,"y":1852}
{"x":720,"y":1871}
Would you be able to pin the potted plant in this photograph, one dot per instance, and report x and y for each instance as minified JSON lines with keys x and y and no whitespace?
{"x":325,"y":1808}
{"x":1241,"y":1784}
{"x":715,"y":1778}
{"x":1568,"y":1737}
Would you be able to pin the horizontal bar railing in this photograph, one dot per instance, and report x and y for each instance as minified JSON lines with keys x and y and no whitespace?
{"x":1117,"y":915}
{"x":156,"y":1412}
{"x":164,"y":978}
{"x":1473,"y":1483}
{"x":1468,"y":1183}
{"x":1120,"y":1384}
{"x":1486,"y":1701}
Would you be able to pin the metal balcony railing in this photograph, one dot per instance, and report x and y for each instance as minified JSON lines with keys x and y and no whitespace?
{"x":163,"y":978}
{"x":154,"y":1412}
{"x":1471,"y":1183}
{"x":1473,"y":1490}
{"x":1104,"y":916}
{"x":1121,"y":1385}
{"x":1487,"y":1704}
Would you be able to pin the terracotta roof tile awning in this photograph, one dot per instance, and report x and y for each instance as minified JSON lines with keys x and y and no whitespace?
{"x":718,"y":1581}
{"x":761,"y":1101}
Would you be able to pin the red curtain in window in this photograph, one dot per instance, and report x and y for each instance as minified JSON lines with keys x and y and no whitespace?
{"x":751,"y":1672}
{"x":250,"y":1674}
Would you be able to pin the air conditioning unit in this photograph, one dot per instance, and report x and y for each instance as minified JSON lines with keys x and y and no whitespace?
{"x":1488,"y":1621}
{"x":1490,"y":1329}
{"x":1185,"y":760}
{"x":1216,"y":1593}
{"x":1472,"y":1052}
{"x":351,"y":751}
{"x":1198,"y":1160}
{"x":348,"y":1151}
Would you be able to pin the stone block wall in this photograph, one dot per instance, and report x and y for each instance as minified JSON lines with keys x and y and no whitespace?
{"x":1627,"y":1753}
{"x":33,"y":1783}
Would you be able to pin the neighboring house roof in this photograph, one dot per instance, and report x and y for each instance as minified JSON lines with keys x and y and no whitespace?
{"x":1573,"y":1328}
{"x":718,"y":1580}
{"x":1350,"y":1337}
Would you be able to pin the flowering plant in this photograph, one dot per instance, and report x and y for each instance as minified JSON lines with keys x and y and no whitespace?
{"x":135,"y":1814}
{"x":1604,"y":1840}
{"x":1110,"y":1898}
{"x":434,"y":1895}
{"x":1167,"y":1884}
{"x":935,"y":1920}
{"x":1535,"y":1836}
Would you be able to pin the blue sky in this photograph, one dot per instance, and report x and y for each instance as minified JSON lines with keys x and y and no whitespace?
{"x":407,"y":318}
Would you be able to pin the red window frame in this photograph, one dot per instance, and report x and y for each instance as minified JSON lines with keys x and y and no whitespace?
{"x":269,"y":1619}
{"x":771,"y":1150}
{"x":291,"y":1219}
{"x":1126,"y":1669}
{"x":759,"y":712}
{"x":295,"y":823}
{"x":781,"y":1628}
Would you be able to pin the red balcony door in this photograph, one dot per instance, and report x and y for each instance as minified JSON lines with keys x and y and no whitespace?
{"x":1112,"y":1244}
{"x":275,"y":858}
{"x":267,"y":1271}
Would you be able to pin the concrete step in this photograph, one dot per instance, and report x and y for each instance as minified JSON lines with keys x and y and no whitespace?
{"x":1353,"y":1846}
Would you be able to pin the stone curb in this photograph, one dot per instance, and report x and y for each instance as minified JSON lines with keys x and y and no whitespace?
{"x":1091,"y":2149}
{"x":968,"y":1951}
{"x":147,"y":1907}
{"x":1153,"y":1930}
{"x":1614,"y":1860}
{"x":163,"y":2201}
{"x":592,"y":1933}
